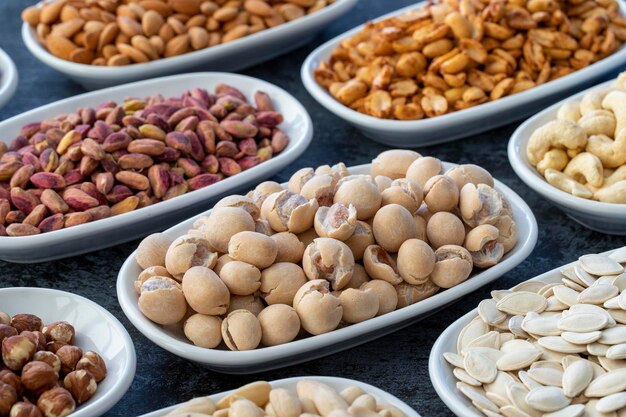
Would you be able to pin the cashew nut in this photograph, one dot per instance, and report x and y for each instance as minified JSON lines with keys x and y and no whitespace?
{"x":620,"y":82}
{"x":615,"y":193}
{"x":615,"y":176}
{"x":612,"y":153}
{"x":567,"y":184}
{"x":592,"y":101}
{"x":554,"y":159}
{"x":569,"y":111}
{"x":585,"y":166}
{"x":563,"y":134}
{"x":616,"y":101}
{"x":598,"y":122}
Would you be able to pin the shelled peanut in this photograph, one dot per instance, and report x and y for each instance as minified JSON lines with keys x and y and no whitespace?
{"x":123,"y":32}
{"x":44,"y":373}
{"x":583,"y":151}
{"x":115,"y":158}
{"x":307,"y":397}
{"x":327,"y":250}
{"x":450,"y":55}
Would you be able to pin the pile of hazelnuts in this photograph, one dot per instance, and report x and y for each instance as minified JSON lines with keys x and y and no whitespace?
{"x":43,"y":374}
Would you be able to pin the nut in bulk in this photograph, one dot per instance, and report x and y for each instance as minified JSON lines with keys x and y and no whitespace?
{"x":291,"y":212}
{"x":162,"y":300}
{"x":279,"y":324}
{"x":241,"y":330}
{"x":319,"y":310}
{"x":205,"y":292}
{"x":329,"y":259}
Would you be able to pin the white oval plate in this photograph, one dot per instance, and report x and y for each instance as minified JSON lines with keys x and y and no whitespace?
{"x":232,"y":56}
{"x":96,"y":329}
{"x":8,"y":78}
{"x":604,"y":217}
{"x":173,"y":339}
{"x":441,"y":371}
{"x":114,"y":230}
{"x":337,"y":383}
{"x":431,"y":131}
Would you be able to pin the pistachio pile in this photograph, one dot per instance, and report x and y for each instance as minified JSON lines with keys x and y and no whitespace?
{"x":43,"y":372}
{"x":583,"y":151}
{"x":308,"y":398}
{"x":100,"y":162}
{"x":553,"y":349}
{"x":328,"y":250}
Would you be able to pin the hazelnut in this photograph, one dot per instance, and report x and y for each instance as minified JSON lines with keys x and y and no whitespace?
{"x":153,"y":271}
{"x":7,"y":331}
{"x":204,"y":331}
{"x":320,"y":188}
{"x":241,"y":330}
{"x":482,"y":243}
{"x":9,"y":377}
{"x":25,"y":409}
{"x":61,"y":331}
{"x":379,"y":265}
{"x":319,"y":310}
{"x":445,"y":228}
{"x":290,"y":212}
{"x":152,"y":249}
{"x":358,"y":305}
{"x":423,"y":169}
{"x":205,"y":292}
{"x":441,"y":194}
{"x":280,"y":282}
{"x":188,"y":251}
{"x":252,"y":303}
{"x":299,"y":178}
{"x":453,"y":265}
{"x":50,"y":358}
{"x":23,"y":322}
{"x":253,"y":248}
{"x":54,"y":346}
{"x":386,"y":293}
{"x":360,"y":239}
{"x":17,"y":351}
{"x":225,"y":222}
{"x":289,"y":247}
{"x":262,"y":191}
{"x":241,"y":278}
{"x":394,"y":163}
{"x":416,"y":261}
{"x":359,"y":277}
{"x":279,"y":324}
{"x":410,"y":294}
{"x":93,"y":363}
{"x":5,"y":318}
{"x":37,"y":338}
{"x":69,"y":356}
{"x":8,"y":397}
{"x":470,"y":174}
{"x":360,"y":191}
{"x":242,"y":202}
{"x":405,"y":192}
{"x":337,"y":221}
{"x":81,"y":384}
{"x":39,"y":376}
{"x":162,"y":301}
{"x":328,"y":259}
{"x":393,"y":224}
{"x":56,"y":402}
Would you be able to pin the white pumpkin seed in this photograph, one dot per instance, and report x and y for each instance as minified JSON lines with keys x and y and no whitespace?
{"x":611,"y":364}
{"x":480,"y":367}
{"x":506,"y":337}
{"x":612,"y":303}
{"x":516,"y":344}
{"x":574,"y":410}
{"x":577,"y":377}
{"x":548,"y":290}
{"x":498,"y":386}
{"x":607,"y":384}
{"x":558,"y":344}
{"x":619,"y":255}
{"x":547,"y":399}
{"x":566,"y":295}
{"x":598,"y":294}
{"x":612,"y":402}
{"x":489,"y":313}
{"x":583,"y":322}
{"x":498,"y":295}
{"x":474,"y":329}
{"x":540,"y":325}
{"x":518,"y":359}
{"x":581,"y":338}
{"x":491,"y":353}
{"x":476,"y":396}
{"x":528,"y":382}
{"x":592,"y":411}
{"x":600,"y":265}
{"x":614,"y":335}
{"x":620,"y":281}
{"x":490,"y":339}
{"x":618,"y":315}
{"x":573,"y":285}
{"x":517,"y":394}
{"x":616,"y":351}
{"x":597,"y":349}
{"x":522,"y":302}
{"x":621,"y":301}
{"x":497,"y":399}
{"x":547,"y":373}
{"x":515,"y":326}
{"x":454,"y":359}
{"x":593,"y":309}
{"x":584,"y":276}
{"x":532,"y":285}
{"x":512,"y":411}
{"x":463,"y":376}
{"x":554,"y":304}
{"x":605,"y":280}
{"x":569,"y":274}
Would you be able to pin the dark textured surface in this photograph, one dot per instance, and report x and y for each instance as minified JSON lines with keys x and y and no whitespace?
{"x":397,"y":363}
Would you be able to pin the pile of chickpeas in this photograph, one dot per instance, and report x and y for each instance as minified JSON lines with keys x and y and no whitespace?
{"x":327,"y":250}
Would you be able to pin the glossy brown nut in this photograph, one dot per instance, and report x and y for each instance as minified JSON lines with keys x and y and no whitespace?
{"x":289,"y":247}
{"x":416,"y":261}
{"x":379,"y":265}
{"x":337,"y":221}
{"x":362,"y":237}
{"x":394,"y":163}
{"x":204,"y":331}
{"x":241,"y":330}
{"x":280,"y":282}
{"x":453,"y":265}
{"x":441,"y":194}
{"x":319,"y":310}
{"x":386,"y":293}
{"x":17,"y":351}
{"x":152,"y":249}
{"x":393,"y":225}
{"x":187,"y":251}
{"x":361,"y":192}
{"x":254,"y":248}
{"x":423,"y":169}
{"x":445,"y":228}
{"x":328,"y":259}
{"x":279,"y":324}
{"x":241,"y":278}
{"x":162,"y":300}
{"x":205,"y":292}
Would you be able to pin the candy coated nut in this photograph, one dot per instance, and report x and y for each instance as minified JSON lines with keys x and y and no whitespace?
{"x":252,"y":303}
{"x":162,"y":301}
{"x":254,"y":248}
{"x":205,"y":292}
{"x":470,"y":174}
{"x":386,"y":293}
{"x":279,"y":324}
{"x":482,"y":243}
{"x":394,"y":163}
{"x":221,"y":261}
{"x":423,"y":169}
{"x":328,"y":259}
{"x":441,"y":194}
{"x":153,"y":271}
{"x":453,"y":265}
{"x":480,"y":204}
{"x":151,"y":251}
{"x":280,"y":282}
{"x":286,"y":211}
{"x":410,"y":294}
{"x":382,"y":182}
{"x":360,"y":239}
{"x":416,"y":261}
{"x":359,"y":277}
{"x":363,"y":194}
{"x":337,"y":221}
{"x":289,"y":247}
{"x":263,"y":190}
{"x":187,"y":251}
{"x":321,"y":188}
{"x":243,"y":202}
{"x":241,"y":278}
{"x":379,"y":265}
{"x":393,"y":224}
{"x":445,"y":228}
{"x":404,"y":192}
{"x":319,"y":311}
{"x":299,"y":178}
{"x":358,"y":305}
{"x":204,"y":331}
{"x":224,"y":223}
{"x":241,"y":330}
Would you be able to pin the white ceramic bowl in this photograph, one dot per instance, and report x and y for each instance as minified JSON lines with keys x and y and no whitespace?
{"x":603,"y":217}
{"x":8,"y":78}
{"x":96,"y":329}
{"x":114,"y":230}
{"x":430,"y":131}
{"x":441,"y":371}
{"x":232,"y":56}
{"x":334,"y":382}
{"x":302,"y":350}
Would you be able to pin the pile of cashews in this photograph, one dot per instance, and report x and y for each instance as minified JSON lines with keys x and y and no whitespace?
{"x":583,"y":151}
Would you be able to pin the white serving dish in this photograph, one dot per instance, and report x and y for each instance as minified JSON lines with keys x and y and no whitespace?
{"x":96,"y":329}
{"x":232,"y":56}
{"x":337,"y":383}
{"x":441,"y":371}
{"x":173,"y":339}
{"x":441,"y":129}
{"x":114,"y":230}
{"x":607,"y":218}
{"x":8,"y":78}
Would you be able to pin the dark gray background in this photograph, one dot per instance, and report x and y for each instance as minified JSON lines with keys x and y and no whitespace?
{"x":397,"y":363}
